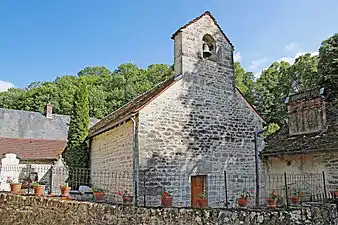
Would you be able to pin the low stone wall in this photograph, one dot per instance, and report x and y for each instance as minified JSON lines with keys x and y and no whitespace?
{"x":34,"y":210}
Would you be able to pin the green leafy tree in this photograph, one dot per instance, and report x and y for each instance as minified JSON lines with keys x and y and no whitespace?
{"x":271,"y":90}
{"x":304,"y":73}
{"x":271,"y":129}
{"x":328,"y":67}
{"x":76,"y":154}
{"x":244,"y":81}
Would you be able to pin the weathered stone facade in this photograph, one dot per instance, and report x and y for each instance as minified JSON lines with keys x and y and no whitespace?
{"x":111,"y":152}
{"x":194,"y":124}
{"x":306,"y":111}
{"x":201,"y":125}
{"x":308,"y":144}
{"x":314,"y":163}
{"x":35,"y":210}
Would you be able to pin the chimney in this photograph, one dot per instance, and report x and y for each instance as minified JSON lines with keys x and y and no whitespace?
{"x":49,"y":111}
{"x":306,"y":111}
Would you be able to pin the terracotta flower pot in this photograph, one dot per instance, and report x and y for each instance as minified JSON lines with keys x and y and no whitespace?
{"x":15,"y":188}
{"x":271,"y":202}
{"x":334,"y":194}
{"x":242,"y":202}
{"x":295,"y":200}
{"x":65,"y":191}
{"x":127,"y":199}
{"x":167,"y":201}
{"x":202,"y":202}
{"x":39,"y":190}
{"x":99,"y":196}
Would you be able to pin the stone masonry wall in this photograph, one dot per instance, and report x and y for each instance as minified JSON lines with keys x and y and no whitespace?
{"x":111,"y":153}
{"x":306,"y":164}
{"x":200,"y":125}
{"x":15,"y":210}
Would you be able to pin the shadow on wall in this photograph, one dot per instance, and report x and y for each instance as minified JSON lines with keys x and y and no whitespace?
{"x":209,"y":131}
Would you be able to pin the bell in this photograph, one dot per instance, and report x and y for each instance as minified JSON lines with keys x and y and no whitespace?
{"x":206,"y":51}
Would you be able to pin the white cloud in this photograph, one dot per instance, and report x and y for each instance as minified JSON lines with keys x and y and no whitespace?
{"x":4,"y":85}
{"x":255,"y":64}
{"x":237,"y":57}
{"x":291,"y":60}
{"x":291,"y":46}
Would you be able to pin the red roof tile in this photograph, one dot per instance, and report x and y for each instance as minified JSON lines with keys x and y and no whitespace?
{"x":132,"y":107}
{"x":196,"y":19}
{"x":32,"y":148}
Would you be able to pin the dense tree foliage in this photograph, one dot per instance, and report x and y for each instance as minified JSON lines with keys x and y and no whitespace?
{"x":110,"y":90}
{"x":107,"y":90}
{"x":76,"y":154}
{"x":328,"y":67}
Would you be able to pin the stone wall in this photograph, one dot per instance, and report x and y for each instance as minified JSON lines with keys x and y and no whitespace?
{"x":111,"y":155}
{"x":11,"y":166}
{"x":34,"y":210}
{"x":314,"y":163}
{"x":200,"y":125}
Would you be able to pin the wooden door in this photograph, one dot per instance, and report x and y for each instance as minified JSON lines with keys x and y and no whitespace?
{"x":197,"y":186}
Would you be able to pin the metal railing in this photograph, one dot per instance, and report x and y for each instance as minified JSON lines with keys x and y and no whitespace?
{"x":222,"y":189}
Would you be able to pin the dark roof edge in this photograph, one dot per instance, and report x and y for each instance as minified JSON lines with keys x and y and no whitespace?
{"x":100,"y":128}
{"x":298,"y":152}
{"x":196,"y":19}
{"x":110,"y":126}
{"x":250,"y":105}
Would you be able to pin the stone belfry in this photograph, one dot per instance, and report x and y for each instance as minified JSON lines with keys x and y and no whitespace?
{"x":200,"y":35}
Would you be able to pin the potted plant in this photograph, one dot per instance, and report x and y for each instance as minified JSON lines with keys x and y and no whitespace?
{"x":98,"y":194}
{"x":272,"y":200}
{"x":126,"y":197}
{"x":244,"y":198}
{"x":15,"y":186}
{"x":65,"y":190}
{"x":297,"y":194}
{"x":202,"y":200}
{"x":39,"y":189}
{"x":166,"y":199}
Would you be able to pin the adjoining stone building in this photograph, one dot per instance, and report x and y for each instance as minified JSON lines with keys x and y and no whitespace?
{"x":186,"y":131}
{"x":308,"y":144}
{"x":31,"y":143}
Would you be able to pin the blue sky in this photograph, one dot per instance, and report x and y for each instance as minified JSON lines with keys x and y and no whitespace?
{"x":41,"y":40}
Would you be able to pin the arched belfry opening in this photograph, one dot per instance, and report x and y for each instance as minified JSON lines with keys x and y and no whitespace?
{"x":209,"y":47}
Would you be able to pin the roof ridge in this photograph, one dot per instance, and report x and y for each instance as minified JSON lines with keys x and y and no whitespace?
{"x":196,"y":19}
{"x":133,"y":103}
{"x":34,"y":139}
{"x":27,"y":111}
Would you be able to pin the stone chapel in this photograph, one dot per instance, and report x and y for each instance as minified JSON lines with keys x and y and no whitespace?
{"x":184,"y":133}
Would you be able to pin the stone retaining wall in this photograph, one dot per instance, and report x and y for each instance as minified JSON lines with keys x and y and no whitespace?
{"x":34,"y":210}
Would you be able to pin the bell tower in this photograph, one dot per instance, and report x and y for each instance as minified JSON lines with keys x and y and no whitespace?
{"x":202,"y":48}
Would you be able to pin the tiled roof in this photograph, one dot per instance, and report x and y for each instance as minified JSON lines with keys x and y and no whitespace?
{"x":282,"y":143}
{"x":32,"y":148}
{"x":132,"y":107}
{"x":35,"y":125}
{"x":137,"y":104}
{"x":196,"y":19}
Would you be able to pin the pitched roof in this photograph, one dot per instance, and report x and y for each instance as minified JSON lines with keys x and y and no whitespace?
{"x":196,"y":19}
{"x":32,"y":148}
{"x":134,"y":106}
{"x":35,"y":125}
{"x":131,"y":107}
{"x":281,"y":143}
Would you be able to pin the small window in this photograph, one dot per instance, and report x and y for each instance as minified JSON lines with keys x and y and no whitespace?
{"x":209,"y":47}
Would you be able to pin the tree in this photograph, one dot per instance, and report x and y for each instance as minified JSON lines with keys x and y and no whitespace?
{"x":94,"y":71}
{"x":76,"y":154}
{"x":271,"y":90}
{"x":244,"y":81}
{"x":304,"y":73}
{"x":328,"y":67}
